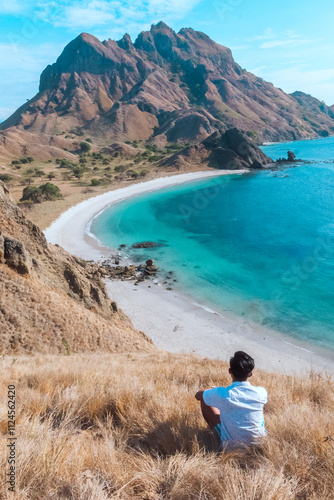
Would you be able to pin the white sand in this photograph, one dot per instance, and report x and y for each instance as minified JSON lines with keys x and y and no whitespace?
{"x":172,"y":321}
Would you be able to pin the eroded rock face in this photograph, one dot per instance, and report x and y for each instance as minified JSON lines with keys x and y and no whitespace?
{"x":16,"y":256}
{"x":2,"y":249}
{"x":74,"y":282}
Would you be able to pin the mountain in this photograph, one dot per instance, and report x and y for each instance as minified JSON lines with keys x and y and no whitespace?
{"x":52,"y":302}
{"x":164,"y":87}
{"x":230,"y":150}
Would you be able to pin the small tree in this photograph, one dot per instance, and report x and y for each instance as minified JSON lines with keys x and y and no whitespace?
{"x":85,"y":147}
{"x":46,"y":191}
{"x":51,"y":175}
{"x":78,"y":172}
{"x":50,"y":191}
{"x":39,"y":172}
{"x":31,"y":193}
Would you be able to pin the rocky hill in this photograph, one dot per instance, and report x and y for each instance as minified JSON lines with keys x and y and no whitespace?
{"x":52,"y":302}
{"x":230,"y":150}
{"x":164,"y":87}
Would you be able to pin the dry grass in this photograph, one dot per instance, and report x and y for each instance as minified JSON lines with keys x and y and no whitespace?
{"x":36,"y":318}
{"x":127,"y":426}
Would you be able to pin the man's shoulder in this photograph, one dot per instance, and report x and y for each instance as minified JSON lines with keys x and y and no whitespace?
{"x":249,"y":391}
{"x":259,"y":391}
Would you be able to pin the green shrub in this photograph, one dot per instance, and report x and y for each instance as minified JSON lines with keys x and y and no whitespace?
{"x":5,"y":178}
{"x":95,"y":182}
{"x":46,"y":191}
{"x":78,"y":172}
{"x":31,"y":193}
{"x":39,"y":172}
{"x":85,"y":147}
{"x":120,"y":168}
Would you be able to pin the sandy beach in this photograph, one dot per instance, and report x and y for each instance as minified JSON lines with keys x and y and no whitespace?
{"x":173,"y":321}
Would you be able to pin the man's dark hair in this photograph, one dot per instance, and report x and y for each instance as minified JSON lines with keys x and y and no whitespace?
{"x":242,"y":365}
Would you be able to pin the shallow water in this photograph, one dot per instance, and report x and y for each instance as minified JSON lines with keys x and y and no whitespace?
{"x":259,"y":245}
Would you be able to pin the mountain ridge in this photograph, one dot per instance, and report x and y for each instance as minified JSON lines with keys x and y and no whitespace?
{"x":164,"y":87}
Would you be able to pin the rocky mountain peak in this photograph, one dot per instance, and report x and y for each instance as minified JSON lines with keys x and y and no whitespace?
{"x":164,"y":87}
{"x":125,"y":42}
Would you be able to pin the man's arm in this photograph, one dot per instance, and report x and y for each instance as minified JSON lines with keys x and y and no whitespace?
{"x":199,"y":394}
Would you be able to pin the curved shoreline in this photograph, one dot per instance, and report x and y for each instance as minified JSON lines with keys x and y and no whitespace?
{"x":174,"y":322}
{"x":70,"y":229}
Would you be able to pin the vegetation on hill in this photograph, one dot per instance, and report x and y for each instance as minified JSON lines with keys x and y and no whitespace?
{"x":128,"y":427}
{"x":46,"y":191}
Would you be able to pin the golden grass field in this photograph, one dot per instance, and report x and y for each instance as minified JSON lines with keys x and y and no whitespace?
{"x":127,"y":426}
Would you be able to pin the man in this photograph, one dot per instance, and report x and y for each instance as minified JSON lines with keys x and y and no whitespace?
{"x":235,"y":412}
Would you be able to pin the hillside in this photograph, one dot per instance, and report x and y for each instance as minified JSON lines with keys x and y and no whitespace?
{"x":230,"y":150}
{"x":127,"y":426}
{"x":164,"y":87}
{"x":52,"y":302}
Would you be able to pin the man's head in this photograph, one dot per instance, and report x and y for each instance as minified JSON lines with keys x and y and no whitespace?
{"x":241,"y":366}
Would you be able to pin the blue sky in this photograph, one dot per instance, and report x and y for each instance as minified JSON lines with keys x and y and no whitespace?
{"x":287,"y":42}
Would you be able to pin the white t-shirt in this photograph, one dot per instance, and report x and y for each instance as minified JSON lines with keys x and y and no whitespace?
{"x":241,"y":412}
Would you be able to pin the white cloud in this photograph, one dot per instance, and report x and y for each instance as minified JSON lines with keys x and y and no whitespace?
{"x":20,"y":72}
{"x":293,"y":41}
{"x":267,"y":35}
{"x":12,"y":7}
{"x":88,"y":14}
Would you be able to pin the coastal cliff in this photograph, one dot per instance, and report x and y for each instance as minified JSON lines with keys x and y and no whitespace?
{"x":52,"y":302}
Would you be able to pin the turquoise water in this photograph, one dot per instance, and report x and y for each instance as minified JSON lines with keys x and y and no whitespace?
{"x":259,"y":245}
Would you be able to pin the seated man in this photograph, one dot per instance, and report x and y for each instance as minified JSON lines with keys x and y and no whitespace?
{"x":235,"y":412}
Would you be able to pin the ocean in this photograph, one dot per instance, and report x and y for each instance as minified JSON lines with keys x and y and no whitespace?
{"x":259,"y":245}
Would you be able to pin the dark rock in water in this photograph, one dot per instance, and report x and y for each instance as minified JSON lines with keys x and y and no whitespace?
{"x":150,"y":269}
{"x":146,"y":244}
{"x":290,"y":159}
{"x":122,"y":246}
